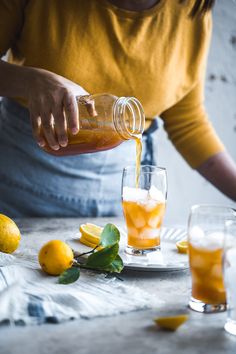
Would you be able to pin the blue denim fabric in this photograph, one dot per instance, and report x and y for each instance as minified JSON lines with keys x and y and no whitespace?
{"x":34,"y":183}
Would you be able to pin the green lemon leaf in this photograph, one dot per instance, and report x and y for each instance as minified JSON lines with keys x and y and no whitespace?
{"x":116,"y":266}
{"x":103,"y":258}
{"x":110,"y":235}
{"x":69,"y":276}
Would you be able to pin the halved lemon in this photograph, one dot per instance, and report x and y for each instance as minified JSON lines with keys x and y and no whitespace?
{"x":91,"y":232}
{"x":182,"y":246}
{"x":172,"y":322}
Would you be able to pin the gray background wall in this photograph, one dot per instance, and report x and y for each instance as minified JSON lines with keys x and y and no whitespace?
{"x":187,"y":187}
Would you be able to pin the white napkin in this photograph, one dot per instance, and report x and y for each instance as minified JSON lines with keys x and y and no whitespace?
{"x":28,"y":296}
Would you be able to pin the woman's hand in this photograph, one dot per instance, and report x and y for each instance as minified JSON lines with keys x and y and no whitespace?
{"x":53,"y":107}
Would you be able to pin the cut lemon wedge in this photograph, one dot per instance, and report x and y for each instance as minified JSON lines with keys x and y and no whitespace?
{"x":172,"y":322}
{"x":182,"y":246}
{"x":91,"y":232}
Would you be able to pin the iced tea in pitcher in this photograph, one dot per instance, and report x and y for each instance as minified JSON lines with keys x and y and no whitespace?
{"x":105,"y":122}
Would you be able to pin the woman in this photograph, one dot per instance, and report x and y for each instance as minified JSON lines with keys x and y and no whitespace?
{"x":153,"y":50}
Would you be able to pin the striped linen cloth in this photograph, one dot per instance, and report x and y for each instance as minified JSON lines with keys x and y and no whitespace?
{"x":28,"y":296}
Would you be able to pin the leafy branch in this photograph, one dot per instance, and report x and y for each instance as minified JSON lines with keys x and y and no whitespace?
{"x":106,"y":259}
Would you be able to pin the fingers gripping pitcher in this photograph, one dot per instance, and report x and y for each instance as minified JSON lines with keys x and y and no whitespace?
{"x":105,"y":121}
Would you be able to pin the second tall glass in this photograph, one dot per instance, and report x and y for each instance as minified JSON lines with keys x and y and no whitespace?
{"x":206,"y":246}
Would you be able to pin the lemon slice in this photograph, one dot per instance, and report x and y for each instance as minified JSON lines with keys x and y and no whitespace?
{"x":172,"y":322}
{"x":182,"y":246}
{"x":89,"y":244}
{"x":91,"y":232}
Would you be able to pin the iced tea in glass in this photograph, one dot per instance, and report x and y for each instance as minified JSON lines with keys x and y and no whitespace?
{"x":144,"y":208}
{"x":206,"y":244}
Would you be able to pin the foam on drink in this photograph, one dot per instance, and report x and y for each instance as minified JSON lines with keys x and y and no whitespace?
{"x":134,"y":194}
{"x":211,"y":240}
{"x":143,"y":195}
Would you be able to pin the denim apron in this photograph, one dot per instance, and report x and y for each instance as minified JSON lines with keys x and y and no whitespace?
{"x":34,"y":183}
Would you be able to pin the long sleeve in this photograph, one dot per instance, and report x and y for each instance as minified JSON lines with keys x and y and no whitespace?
{"x":190,"y":130}
{"x":11,"y":22}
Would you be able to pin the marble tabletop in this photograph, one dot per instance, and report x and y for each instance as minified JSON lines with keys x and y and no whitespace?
{"x":130,"y":333}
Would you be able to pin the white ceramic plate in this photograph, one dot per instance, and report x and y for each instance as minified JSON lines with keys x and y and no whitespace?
{"x":168,"y":259}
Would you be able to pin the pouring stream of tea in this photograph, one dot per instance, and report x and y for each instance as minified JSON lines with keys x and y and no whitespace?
{"x":138,"y":141}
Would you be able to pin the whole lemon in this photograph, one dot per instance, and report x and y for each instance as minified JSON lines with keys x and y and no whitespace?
{"x":9,"y":234}
{"x":55,"y":257}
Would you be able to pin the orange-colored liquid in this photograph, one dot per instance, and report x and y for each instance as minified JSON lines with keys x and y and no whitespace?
{"x":207,"y":275}
{"x":139,"y":147}
{"x":143,"y":220}
{"x":88,"y":140}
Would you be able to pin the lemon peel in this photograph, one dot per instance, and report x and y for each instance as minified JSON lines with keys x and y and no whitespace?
{"x":9,"y":235}
{"x":55,"y":257}
{"x":182,"y":246}
{"x":171,"y":322}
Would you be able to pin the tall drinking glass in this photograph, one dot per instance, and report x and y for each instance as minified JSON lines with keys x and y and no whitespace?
{"x":230,"y":274}
{"x":144,"y":207}
{"x":206,"y":243}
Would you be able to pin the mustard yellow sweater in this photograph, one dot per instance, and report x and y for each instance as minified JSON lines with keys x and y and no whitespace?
{"x":157,"y":55}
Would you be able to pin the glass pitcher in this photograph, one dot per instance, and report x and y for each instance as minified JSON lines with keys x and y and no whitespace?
{"x":105,"y":121}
